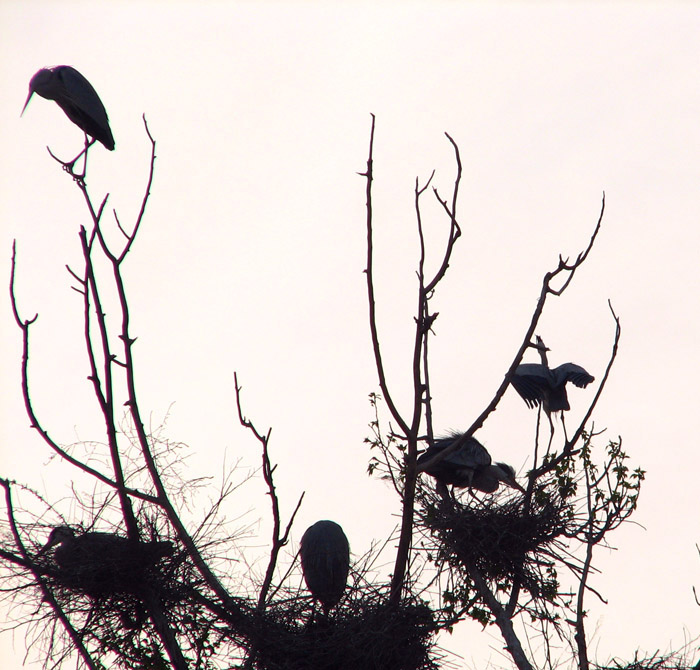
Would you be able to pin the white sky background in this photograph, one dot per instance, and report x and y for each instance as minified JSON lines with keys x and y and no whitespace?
{"x":253,"y":246}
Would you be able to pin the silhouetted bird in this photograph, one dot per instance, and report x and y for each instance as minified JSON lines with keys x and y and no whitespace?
{"x":325,"y":561}
{"x":469,"y":466}
{"x":102,"y":562}
{"x":76,"y":97}
{"x":538,"y":384}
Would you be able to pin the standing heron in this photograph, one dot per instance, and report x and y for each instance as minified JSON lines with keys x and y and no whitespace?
{"x":469,"y":466}
{"x":76,"y":97}
{"x":325,"y":561}
{"x":537,"y":383}
{"x":102,"y":562}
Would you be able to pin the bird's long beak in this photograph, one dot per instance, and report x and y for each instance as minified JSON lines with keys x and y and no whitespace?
{"x":51,"y":541}
{"x":29,"y":97}
{"x":517,"y":486}
{"x":513,"y":484}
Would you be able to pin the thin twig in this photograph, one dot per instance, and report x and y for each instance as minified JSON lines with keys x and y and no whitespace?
{"x":24,"y":325}
{"x":279,"y":539}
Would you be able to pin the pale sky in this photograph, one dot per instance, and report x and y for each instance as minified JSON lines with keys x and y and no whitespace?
{"x":253,"y":246}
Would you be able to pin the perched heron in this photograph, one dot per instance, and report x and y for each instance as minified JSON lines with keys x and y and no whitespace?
{"x":102,"y":562}
{"x":469,"y":466}
{"x":76,"y":97}
{"x":325,"y":561}
{"x":537,"y":384}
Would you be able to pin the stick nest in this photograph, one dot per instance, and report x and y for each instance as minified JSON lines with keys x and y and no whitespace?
{"x":106,"y":601}
{"x":362,"y":632}
{"x":500,"y":539}
{"x":677,"y":660}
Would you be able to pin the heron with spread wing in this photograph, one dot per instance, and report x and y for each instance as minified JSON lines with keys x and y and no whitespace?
{"x":538,"y":384}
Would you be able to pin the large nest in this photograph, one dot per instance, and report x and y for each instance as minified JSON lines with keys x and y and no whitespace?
{"x":365,"y":631}
{"x":115,"y":573}
{"x":499,"y":538}
{"x":118,"y":569}
{"x":108,"y":604}
{"x":108,"y":600}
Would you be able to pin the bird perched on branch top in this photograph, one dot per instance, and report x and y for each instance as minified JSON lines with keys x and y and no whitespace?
{"x":325,"y":561}
{"x":76,"y":97}
{"x":469,"y":466}
{"x":537,"y":384}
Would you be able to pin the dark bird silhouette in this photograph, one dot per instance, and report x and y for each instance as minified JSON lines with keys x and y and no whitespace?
{"x":102,"y":562}
{"x":76,"y":97}
{"x":537,"y":384}
{"x":469,"y":466}
{"x":325,"y":561}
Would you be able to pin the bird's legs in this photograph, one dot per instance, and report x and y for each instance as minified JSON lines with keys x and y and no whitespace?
{"x":69,"y":165}
{"x":314,"y":614}
{"x":563,"y":425}
{"x":551,"y":431}
{"x":444,"y":492}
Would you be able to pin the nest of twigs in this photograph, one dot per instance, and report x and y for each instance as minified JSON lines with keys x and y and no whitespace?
{"x":107,"y":600}
{"x":500,"y":538}
{"x":674,"y":661}
{"x":113,"y":575}
{"x":362,"y":632}
{"x":108,"y":603}
{"x":117,"y":574}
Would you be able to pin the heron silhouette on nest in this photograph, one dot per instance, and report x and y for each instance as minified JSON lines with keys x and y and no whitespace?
{"x":539,"y":385}
{"x":325,"y":562}
{"x":102,"y":562}
{"x":78,"y":99}
{"x":469,"y":466}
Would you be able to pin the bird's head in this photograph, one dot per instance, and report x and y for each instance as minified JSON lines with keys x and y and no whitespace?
{"x":506,"y":473}
{"x":40,"y":83}
{"x":57,"y":535}
{"x":539,"y":344}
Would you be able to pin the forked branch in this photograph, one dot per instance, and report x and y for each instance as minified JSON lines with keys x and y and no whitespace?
{"x":24,"y":325}
{"x":563,"y":267}
{"x":279,"y":538}
{"x":420,"y":374}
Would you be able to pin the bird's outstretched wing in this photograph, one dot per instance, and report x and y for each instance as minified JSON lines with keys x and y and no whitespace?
{"x":531,"y":381}
{"x":570,"y":372}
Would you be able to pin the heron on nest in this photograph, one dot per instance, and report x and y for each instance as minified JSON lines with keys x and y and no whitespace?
{"x":102,"y":562}
{"x":469,"y":466}
{"x":325,"y":562}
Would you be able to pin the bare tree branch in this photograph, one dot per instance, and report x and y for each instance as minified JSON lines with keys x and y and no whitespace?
{"x":503,"y":621}
{"x":24,"y":325}
{"x":369,"y":272}
{"x":279,"y":539}
{"x":546,"y":289}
